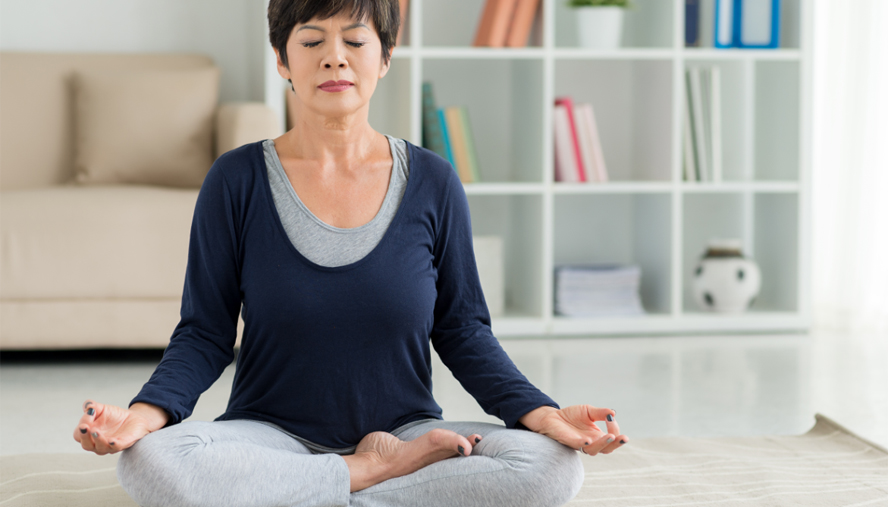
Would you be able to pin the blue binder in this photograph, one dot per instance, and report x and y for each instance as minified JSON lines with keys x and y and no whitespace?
{"x":751,"y":24}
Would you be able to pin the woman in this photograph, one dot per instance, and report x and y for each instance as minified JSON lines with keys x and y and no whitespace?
{"x":347,"y":251}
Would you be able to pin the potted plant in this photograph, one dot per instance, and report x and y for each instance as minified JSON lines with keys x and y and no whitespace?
{"x":599,"y":22}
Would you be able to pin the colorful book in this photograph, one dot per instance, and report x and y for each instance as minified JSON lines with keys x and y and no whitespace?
{"x":499,"y":22}
{"x":482,"y":32}
{"x":565,"y":156}
{"x":442,"y":121}
{"x":470,"y":144}
{"x":567,"y":102}
{"x":458,"y":143}
{"x":402,"y":5}
{"x":586,"y":117}
{"x":432,"y":136}
{"x":522,"y":23}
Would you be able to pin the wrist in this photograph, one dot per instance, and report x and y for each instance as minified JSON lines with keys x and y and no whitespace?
{"x":532,"y":420}
{"x":154,"y":416}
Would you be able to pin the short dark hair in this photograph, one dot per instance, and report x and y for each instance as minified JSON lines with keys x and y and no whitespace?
{"x":283,"y":15}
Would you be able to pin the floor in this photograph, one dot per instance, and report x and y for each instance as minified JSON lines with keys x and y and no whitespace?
{"x":703,"y":386}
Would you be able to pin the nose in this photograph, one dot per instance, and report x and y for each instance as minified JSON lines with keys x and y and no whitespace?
{"x":336,"y":56}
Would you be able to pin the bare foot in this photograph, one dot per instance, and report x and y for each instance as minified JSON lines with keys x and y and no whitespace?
{"x":381,"y":456}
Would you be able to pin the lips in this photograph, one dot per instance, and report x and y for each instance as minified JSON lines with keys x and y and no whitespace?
{"x":341,"y":82}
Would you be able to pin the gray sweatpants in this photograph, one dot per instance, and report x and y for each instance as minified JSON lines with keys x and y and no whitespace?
{"x":249,"y":463}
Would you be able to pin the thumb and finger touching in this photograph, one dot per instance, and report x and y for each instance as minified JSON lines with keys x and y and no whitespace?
{"x":108,"y":428}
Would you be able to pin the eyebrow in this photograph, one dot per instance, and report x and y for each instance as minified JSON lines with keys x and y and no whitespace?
{"x":349,"y":27}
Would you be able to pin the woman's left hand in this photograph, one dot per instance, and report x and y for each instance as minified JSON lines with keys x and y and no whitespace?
{"x":575,"y":427}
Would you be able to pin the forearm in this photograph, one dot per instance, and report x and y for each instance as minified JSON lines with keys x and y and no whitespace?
{"x":155,"y":416}
{"x":532,"y":419}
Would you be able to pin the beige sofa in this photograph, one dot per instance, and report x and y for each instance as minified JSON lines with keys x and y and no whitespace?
{"x":95,"y":263}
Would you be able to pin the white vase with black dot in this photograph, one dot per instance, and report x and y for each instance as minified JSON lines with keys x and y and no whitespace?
{"x":724,"y":280}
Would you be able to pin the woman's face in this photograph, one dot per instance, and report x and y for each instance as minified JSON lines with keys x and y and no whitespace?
{"x":333,"y":50}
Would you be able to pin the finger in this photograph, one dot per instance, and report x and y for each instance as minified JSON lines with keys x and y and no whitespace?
{"x":86,"y":426}
{"x":612,"y":426}
{"x":619,"y":441}
{"x":598,"y":444}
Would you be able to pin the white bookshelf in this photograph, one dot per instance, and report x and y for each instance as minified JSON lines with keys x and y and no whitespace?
{"x":646,"y":214}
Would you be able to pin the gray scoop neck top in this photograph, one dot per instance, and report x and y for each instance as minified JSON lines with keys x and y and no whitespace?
{"x":319,"y":241}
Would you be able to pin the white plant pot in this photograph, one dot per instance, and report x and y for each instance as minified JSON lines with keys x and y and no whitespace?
{"x":600,"y":27}
{"x":726,"y":282}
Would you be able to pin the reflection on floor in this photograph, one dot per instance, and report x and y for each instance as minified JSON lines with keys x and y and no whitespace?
{"x":659,"y":386}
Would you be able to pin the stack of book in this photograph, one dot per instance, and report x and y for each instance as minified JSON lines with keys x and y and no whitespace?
{"x":448,"y":132}
{"x":597,"y":290}
{"x":578,"y":154}
{"x":702,"y":124}
{"x":506,"y":23}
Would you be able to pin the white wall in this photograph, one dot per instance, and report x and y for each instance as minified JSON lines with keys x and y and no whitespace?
{"x":232,"y":32}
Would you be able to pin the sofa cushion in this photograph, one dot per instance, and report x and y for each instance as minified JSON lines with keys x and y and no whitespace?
{"x":104,"y":241}
{"x":150,"y":127}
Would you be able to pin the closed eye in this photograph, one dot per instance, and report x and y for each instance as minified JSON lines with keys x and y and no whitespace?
{"x":313,"y":44}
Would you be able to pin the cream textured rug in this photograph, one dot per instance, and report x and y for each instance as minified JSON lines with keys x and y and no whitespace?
{"x":828,"y":465}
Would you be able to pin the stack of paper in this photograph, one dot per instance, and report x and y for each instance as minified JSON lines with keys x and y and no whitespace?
{"x":597,"y":290}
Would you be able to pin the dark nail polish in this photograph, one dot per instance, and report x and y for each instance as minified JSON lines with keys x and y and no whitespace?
{"x":91,"y":411}
{"x":622,"y":441}
{"x":587,"y":443}
{"x":83,"y":430}
{"x":477,"y":440}
{"x":461,"y":450}
{"x":610,"y":418}
{"x":112,"y":443}
{"x":88,"y":403}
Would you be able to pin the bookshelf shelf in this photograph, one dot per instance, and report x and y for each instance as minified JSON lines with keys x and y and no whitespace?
{"x":646,"y":214}
{"x":622,"y":187}
{"x":481,"y":188}
{"x":741,"y":54}
{"x":733,"y":186}
{"x":620,"y":54}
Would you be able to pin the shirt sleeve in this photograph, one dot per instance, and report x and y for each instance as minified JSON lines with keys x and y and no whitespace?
{"x":461,"y":333}
{"x":202,"y":344}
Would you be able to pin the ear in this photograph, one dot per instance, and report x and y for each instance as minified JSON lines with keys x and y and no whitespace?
{"x":386,"y":66}
{"x":281,"y":68}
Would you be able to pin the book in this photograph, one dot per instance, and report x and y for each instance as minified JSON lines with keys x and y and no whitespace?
{"x":470,"y":144}
{"x":522,"y":23}
{"x":446,"y":136}
{"x":402,"y":5}
{"x":692,"y":23}
{"x":458,"y":142}
{"x":715,"y":114}
{"x":567,"y":102}
{"x":585,"y":140}
{"x":747,"y":24}
{"x":500,"y":19}
{"x":432,"y":136}
{"x":690,"y":155}
{"x":724,"y":23}
{"x":565,"y":162}
{"x":698,"y":124}
{"x":482,"y":32}
{"x":586,"y":115}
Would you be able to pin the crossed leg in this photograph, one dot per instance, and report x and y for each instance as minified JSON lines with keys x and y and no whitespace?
{"x":247,"y":463}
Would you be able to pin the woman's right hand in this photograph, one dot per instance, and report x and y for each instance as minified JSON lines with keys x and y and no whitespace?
{"x":106,"y":429}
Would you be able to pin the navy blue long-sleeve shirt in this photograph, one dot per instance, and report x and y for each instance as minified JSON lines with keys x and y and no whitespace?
{"x":333,"y":353}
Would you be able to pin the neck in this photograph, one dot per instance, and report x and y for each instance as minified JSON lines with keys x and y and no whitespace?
{"x":342,"y":141}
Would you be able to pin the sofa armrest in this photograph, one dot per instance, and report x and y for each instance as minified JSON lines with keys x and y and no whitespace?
{"x":239,"y":123}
